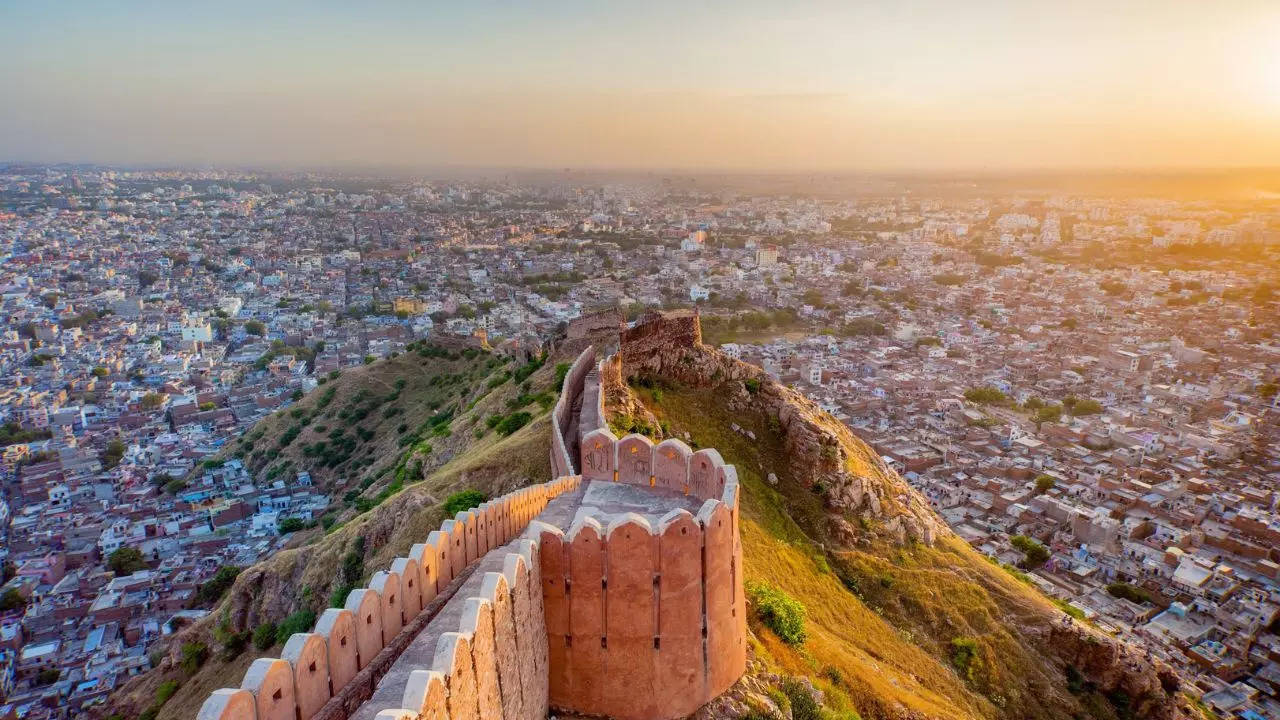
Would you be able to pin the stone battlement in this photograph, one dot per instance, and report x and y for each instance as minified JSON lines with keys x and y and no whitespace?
{"x":623,"y":599}
{"x":330,"y":673}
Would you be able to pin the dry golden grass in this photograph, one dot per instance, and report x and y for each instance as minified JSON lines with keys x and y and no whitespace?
{"x":890,"y":641}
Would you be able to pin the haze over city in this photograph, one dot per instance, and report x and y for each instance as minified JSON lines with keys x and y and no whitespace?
{"x":918,"y":85}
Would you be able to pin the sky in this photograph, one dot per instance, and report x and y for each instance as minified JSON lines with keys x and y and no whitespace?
{"x":745,"y":85}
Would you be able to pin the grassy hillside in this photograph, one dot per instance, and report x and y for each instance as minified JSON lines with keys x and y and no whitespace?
{"x":892,"y":631}
{"x":395,"y":499}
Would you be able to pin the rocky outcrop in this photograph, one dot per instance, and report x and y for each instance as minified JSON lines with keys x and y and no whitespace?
{"x":1121,"y":672}
{"x":822,"y":452}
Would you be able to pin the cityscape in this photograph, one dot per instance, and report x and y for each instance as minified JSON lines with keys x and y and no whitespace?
{"x":855,"y":360}
{"x":1117,"y":421}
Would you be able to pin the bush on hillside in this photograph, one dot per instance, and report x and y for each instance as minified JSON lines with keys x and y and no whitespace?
{"x":779,"y":612}
{"x":264,"y":636}
{"x":464,"y":500}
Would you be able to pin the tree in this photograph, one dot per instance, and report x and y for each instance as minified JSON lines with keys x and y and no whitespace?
{"x":114,"y":452}
{"x":126,"y":560}
{"x":1034,"y":553}
{"x":211,"y":590}
{"x":152,"y":401}
{"x":1049,"y":413}
{"x":291,"y":524}
{"x":1086,"y":407}
{"x":12,"y":600}
{"x":146,"y":278}
{"x":1044,"y":483}
{"x":255,"y":327}
{"x":100,"y":372}
{"x":985,"y":395}
{"x":813,"y":296}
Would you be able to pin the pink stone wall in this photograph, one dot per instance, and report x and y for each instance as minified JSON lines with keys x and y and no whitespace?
{"x":671,"y":465}
{"x":645,"y":623}
{"x":338,"y":628}
{"x":309,"y":659}
{"x":599,"y":455}
{"x":271,"y":682}
{"x":635,"y":460}
{"x":631,"y":626}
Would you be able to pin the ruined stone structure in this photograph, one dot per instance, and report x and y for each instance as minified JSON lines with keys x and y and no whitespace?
{"x":614,"y":590}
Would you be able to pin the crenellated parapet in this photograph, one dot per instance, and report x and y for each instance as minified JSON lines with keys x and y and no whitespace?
{"x":623,"y":599}
{"x":328,"y":673}
{"x":646,"y":617}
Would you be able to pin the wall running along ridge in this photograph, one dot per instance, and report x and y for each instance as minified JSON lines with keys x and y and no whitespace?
{"x":328,"y":674}
{"x":608,"y":613}
{"x":562,"y":417}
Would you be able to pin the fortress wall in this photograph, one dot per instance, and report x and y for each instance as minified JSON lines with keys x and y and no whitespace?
{"x":562,"y":415}
{"x":670,"y":465}
{"x":645,"y":622}
{"x":496,"y":631}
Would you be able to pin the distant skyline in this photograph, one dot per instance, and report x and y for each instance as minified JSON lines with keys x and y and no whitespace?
{"x":754,"y":86}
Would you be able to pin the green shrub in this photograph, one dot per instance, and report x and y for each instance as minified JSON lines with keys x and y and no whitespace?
{"x":964,"y":656}
{"x":193,"y":656}
{"x":1035,"y":553}
{"x":264,"y":636}
{"x":513,"y":422}
{"x":212,"y":590}
{"x":299,"y":622}
{"x":166,"y":691}
{"x":779,"y":612}
{"x":291,"y":524}
{"x":1129,"y":592}
{"x":803,"y":706}
{"x":464,"y":500}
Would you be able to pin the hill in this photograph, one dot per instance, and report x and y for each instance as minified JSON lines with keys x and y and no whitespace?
{"x":904,"y":620}
{"x":473,"y":422}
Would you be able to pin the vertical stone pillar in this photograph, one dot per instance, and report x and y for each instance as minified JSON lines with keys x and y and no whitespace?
{"x":494,"y":587}
{"x":438,"y":544}
{"x":425,"y":693}
{"x":410,"y":586}
{"x":719,"y":581}
{"x":705,"y":472}
{"x":390,"y":601}
{"x":554,"y":564}
{"x":453,"y":661}
{"x":599,"y":455}
{"x":477,"y":619}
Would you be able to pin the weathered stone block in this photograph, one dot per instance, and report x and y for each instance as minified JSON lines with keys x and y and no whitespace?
{"x":228,"y":704}
{"x":271,"y":682}
{"x":366,"y":606}
{"x":338,"y":627}
{"x":308,"y":656}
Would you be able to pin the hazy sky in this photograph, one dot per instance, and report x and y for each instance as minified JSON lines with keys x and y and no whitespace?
{"x":793,"y":85}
